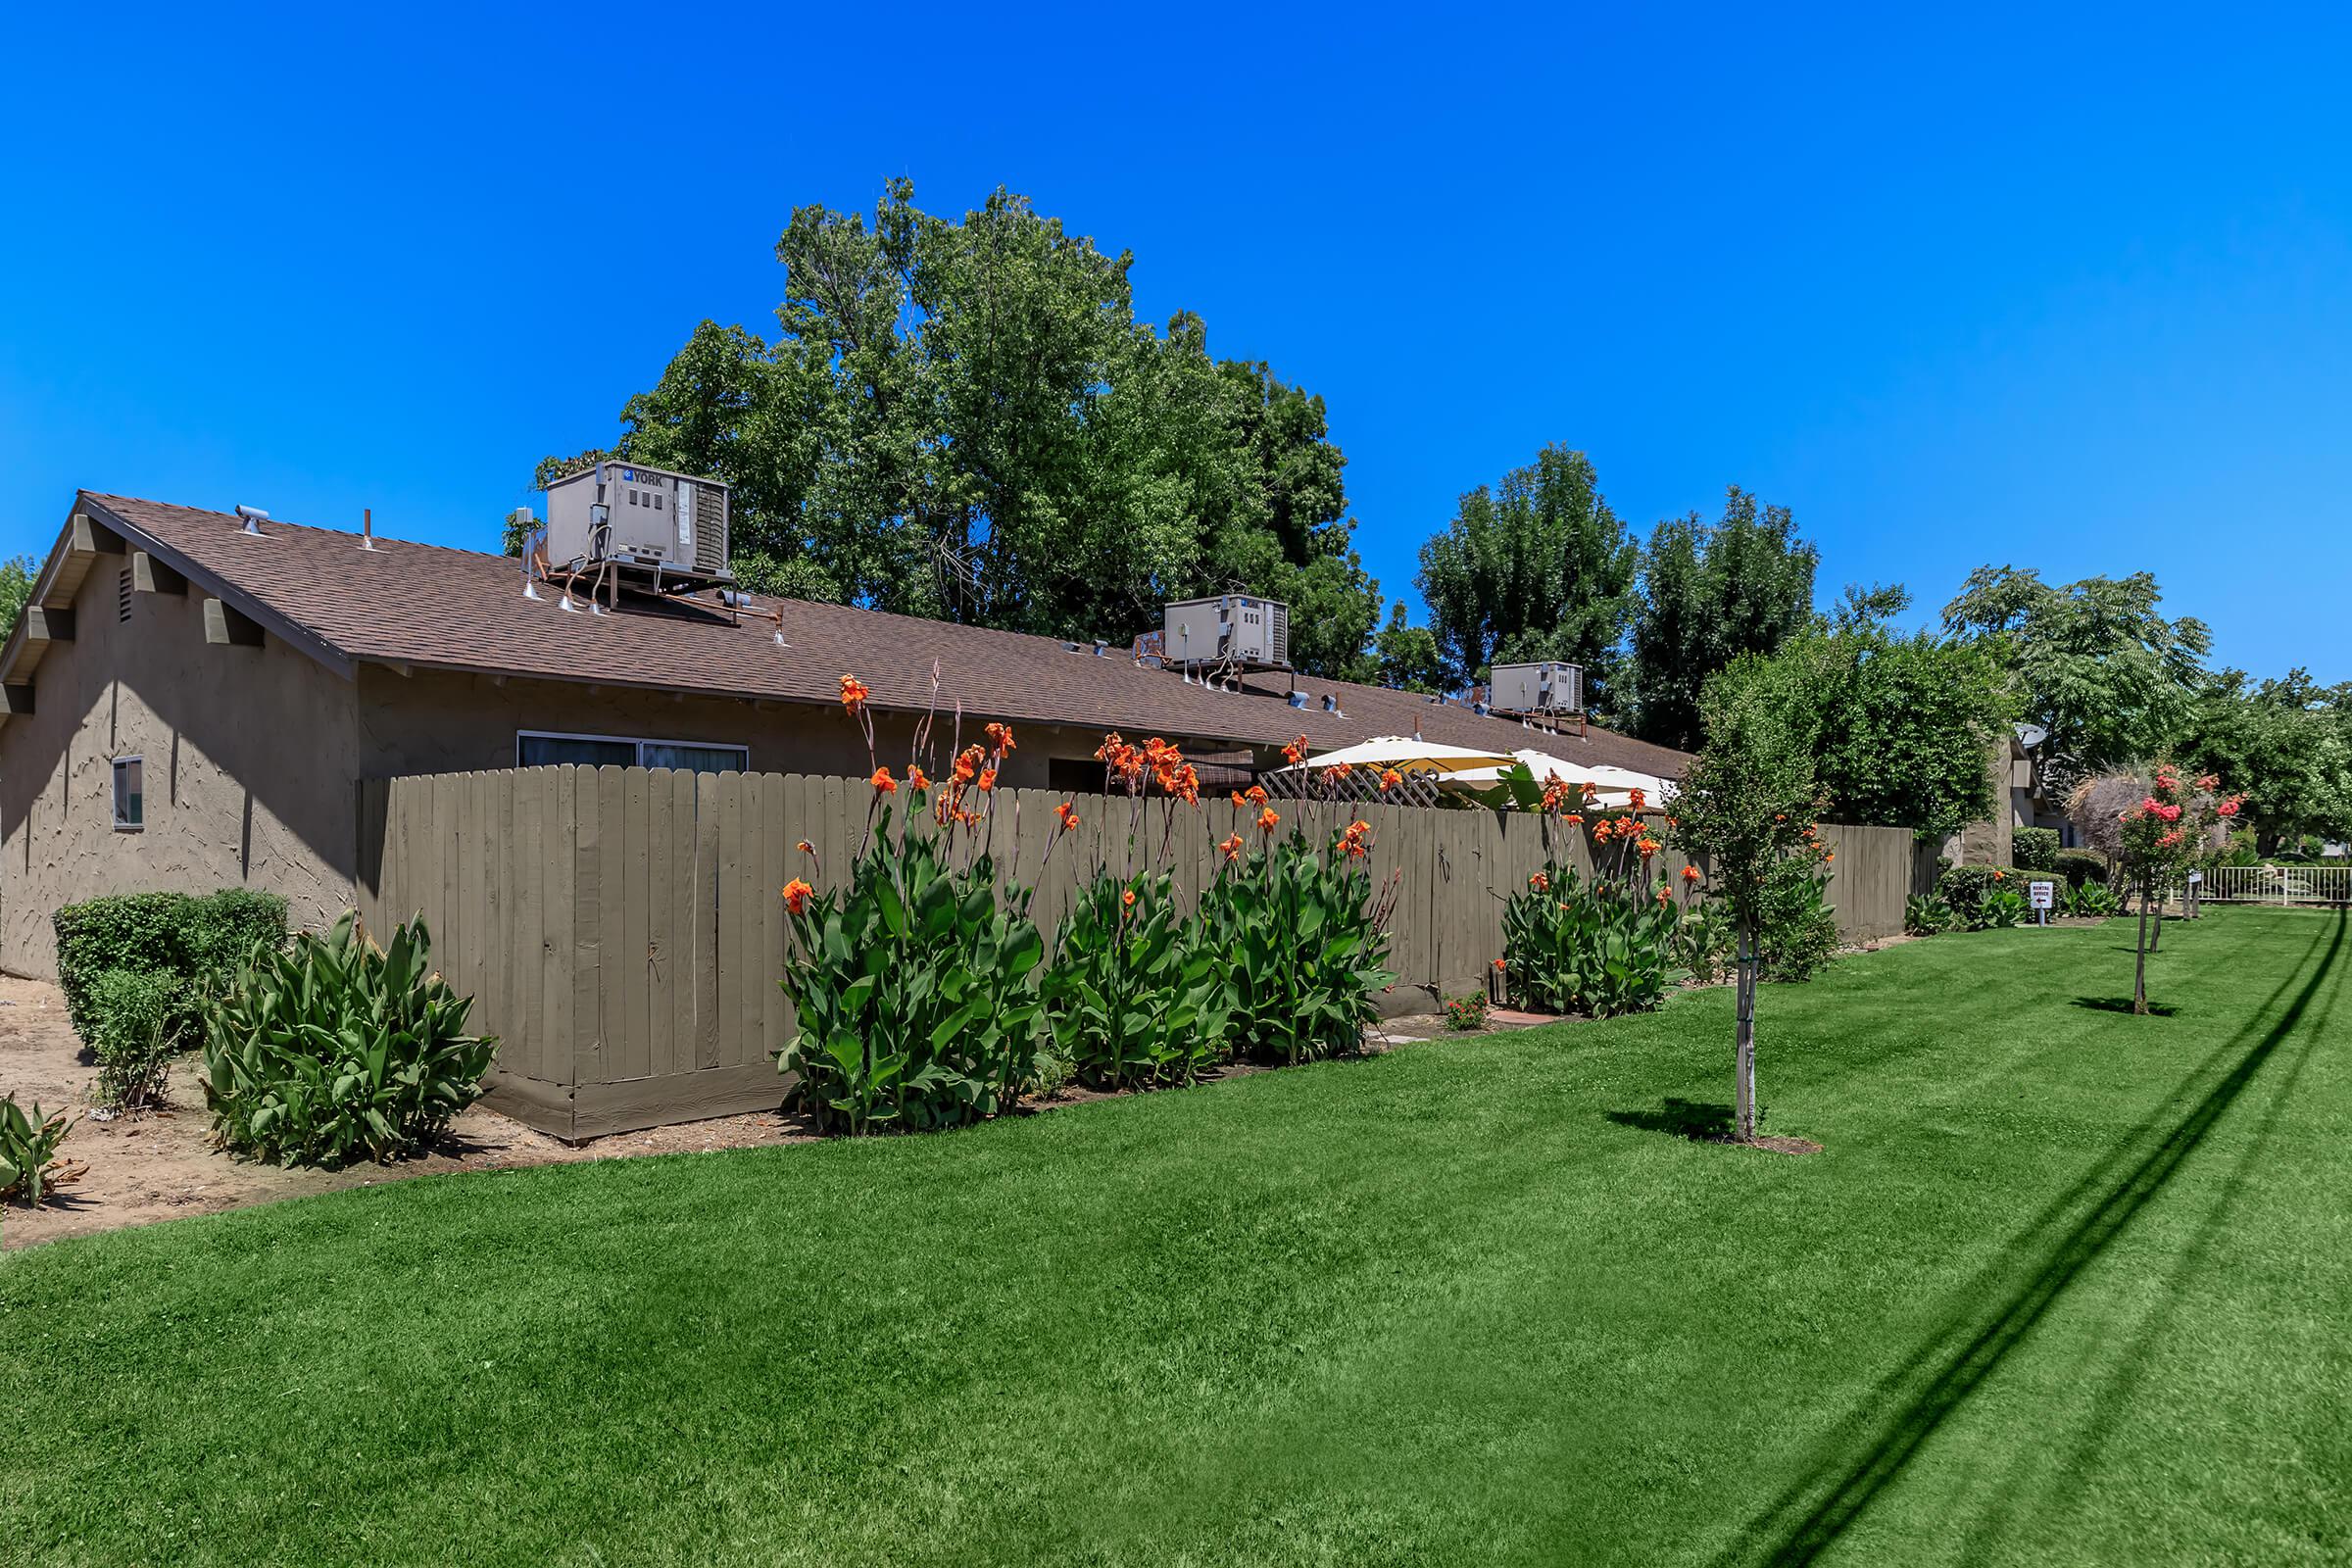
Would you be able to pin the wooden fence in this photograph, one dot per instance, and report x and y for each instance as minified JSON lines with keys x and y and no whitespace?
{"x":619,"y":928}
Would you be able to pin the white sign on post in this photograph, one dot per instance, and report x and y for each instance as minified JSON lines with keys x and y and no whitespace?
{"x":2044,"y":897}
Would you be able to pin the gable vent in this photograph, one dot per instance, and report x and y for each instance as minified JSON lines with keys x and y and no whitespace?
{"x":122,"y":594}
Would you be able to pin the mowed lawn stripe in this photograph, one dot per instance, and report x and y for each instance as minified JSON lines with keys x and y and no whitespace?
{"x":2065,"y":1283}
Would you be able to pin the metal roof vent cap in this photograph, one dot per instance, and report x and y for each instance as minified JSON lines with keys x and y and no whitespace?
{"x":254,"y":518}
{"x":1298,"y":699}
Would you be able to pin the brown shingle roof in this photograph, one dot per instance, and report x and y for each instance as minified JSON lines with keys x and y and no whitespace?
{"x":429,"y":605}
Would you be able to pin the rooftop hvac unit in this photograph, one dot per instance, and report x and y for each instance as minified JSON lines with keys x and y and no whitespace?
{"x":1547,"y":688}
{"x":661,"y":530}
{"x":1232,"y":631}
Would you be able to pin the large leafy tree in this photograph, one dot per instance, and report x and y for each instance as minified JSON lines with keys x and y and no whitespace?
{"x":1709,"y":592}
{"x":16,"y":587}
{"x":1405,"y":656}
{"x":961,"y":418}
{"x":2106,"y":677}
{"x":2289,"y":742}
{"x":1904,"y":727}
{"x":1536,"y":567}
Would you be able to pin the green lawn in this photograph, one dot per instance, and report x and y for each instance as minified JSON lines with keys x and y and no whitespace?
{"x":2067,"y":1286}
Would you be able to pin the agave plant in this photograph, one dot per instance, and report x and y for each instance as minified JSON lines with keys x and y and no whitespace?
{"x":335,"y":1049}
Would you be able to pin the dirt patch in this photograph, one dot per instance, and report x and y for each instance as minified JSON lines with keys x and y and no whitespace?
{"x":162,"y":1165}
{"x":1786,"y":1146}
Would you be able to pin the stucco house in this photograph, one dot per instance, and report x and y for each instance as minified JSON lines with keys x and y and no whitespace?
{"x":191,"y":699}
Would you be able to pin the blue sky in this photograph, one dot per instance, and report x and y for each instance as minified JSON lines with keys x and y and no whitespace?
{"x":2069,"y":292}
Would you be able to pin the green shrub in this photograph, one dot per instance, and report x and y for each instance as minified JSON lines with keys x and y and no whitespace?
{"x":2035,"y":849}
{"x":28,"y":1142}
{"x":335,"y":1049}
{"x":199,"y":942}
{"x":915,"y":991}
{"x":2091,"y":898}
{"x":1303,"y":939}
{"x":130,"y":1013}
{"x":2081,"y":867}
{"x":2003,"y":907}
{"x":1800,"y":932}
{"x":1134,"y":996}
{"x":1600,"y":948}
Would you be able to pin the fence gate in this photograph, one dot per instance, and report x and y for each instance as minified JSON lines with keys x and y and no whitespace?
{"x":2279,"y":884}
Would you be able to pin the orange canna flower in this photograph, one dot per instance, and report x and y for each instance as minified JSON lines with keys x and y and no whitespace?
{"x":915,"y":779}
{"x":852,"y":694}
{"x":1256,"y":794}
{"x":1649,"y":846}
{"x":1068,"y":815}
{"x":796,"y":894}
{"x":1689,"y":873}
{"x":1389,"y":778}
{"x":1268,"y":819}
{"x":1573,"y":819}
{"x":1827,"y":859}
{"x":1000,"y":736}
{"x":1296,"y":752}
{"x":806,"y":847}
{"x":1232,"y":847}
{"x":883,"y":782}
{"x":1638,"y":798}
{"x":1128,"y":898}
{"x":1238,"y":801}
{"x":988,"y":778}
{"x":2000,"y":876}
{"x":1540,"y":882}
{"x":1498,"y":966}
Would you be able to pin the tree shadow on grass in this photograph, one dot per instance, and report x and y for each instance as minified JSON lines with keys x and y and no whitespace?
{"x":2037,"y":1268}
{"x":2159,"y":1010}
{"x":1684,"y":1118}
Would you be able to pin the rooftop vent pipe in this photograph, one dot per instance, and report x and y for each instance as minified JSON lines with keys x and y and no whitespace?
{"x":367,"y":528}
{"x":254,"y":518}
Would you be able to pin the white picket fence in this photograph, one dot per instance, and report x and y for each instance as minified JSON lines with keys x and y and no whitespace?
{"x":2279,"y":884}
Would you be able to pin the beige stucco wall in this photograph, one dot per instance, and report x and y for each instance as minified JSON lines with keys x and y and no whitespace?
{"x":248,"y":761}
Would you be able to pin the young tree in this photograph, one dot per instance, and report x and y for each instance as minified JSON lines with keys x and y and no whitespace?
{"x":1533,"y":567}
{"x":2152,"y":825}
{"x":1748,"y":806}
{"x":1708,"y":594}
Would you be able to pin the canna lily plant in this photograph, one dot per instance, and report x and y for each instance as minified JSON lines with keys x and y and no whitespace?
{"x":914,"y":984}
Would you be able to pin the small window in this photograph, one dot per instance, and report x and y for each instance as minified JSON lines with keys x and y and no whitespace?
{"x":657,"y":501}
{"x":540,"y":749}
{"x":131,"y":794}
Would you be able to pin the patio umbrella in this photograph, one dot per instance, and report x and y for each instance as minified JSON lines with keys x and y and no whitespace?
{"x":1408,"y":756}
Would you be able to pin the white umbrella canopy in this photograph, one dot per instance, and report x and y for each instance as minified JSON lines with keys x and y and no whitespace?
{"x":1407,"y":754}
{"x":1615,"y":784}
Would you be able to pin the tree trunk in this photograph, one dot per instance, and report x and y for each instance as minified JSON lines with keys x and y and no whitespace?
{"x":1743,"y":1121}
{"x":2139,"y":977}
{"x":2154,"y":896}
